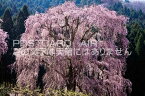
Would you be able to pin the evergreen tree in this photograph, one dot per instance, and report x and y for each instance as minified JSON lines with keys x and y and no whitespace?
{"x":25,"y":12}
{"x":7,"y":24}
{"x":141,"y":15}
{"x":140,"y":46}
{"x":127,"y":1}
{"x":20,"y":20}
{"x":98,"y":1}
{"x":19,"y":27}
{"x":133,"y":14}
{"x":126,"y":11}
{"x":8,"y":58}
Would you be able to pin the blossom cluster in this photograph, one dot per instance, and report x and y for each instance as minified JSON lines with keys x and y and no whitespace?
{"x":3,"y":44}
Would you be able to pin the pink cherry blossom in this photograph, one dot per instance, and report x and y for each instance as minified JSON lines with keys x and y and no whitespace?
{"x":96,"y":75}
{"x":3,"y":44}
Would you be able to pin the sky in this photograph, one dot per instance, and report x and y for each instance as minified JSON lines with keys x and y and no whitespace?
{"x":137,"y":0}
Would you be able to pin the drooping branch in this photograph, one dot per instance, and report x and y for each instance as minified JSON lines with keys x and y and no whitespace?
{"x":77,"y":72}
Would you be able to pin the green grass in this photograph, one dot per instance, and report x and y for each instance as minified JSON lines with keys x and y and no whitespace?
{"x":26,"y":91}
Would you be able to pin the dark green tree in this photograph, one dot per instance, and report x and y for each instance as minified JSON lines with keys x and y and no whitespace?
{"x":140,"y":46}
{"x":8,"y":58}
{"x":127,"y":1}
{"x":25,"y":12}
{"x":7,"y":24}
{"x":134,"y":14}
{"x":19,"y":25}
{"x":98,"y":1}
{"x":19,"y":22}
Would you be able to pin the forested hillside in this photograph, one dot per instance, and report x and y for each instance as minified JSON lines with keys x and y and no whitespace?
{"x":43,"y":5}
{"x":13,"y":14}
{"x":38,"y":5}
{"x":136,"y":5}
